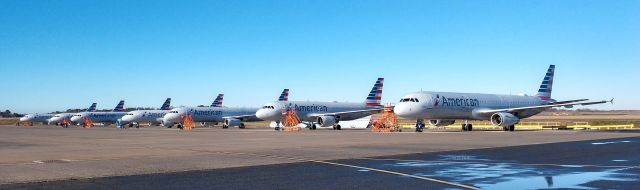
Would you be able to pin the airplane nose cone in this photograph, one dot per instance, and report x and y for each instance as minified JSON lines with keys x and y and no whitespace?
{"x":23,"y":119}
{"x":171,"y":118}
{"x":403,"y":110}
{"x":53,"y":120}
{"x":75,"y":119}
{"x":126,"y":118}
{"x":268,"y":114}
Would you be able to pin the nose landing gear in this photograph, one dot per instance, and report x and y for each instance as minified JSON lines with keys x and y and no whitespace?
{"x":420,"y":125}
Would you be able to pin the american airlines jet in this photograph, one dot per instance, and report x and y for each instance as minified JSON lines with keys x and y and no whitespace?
{"x":58,"y":118}
{"x":38,"y":117}
{"x":325,"y":114}
{"x":101,"y":117}
{"x":133,"y":118}
{"x":443,"y":108}
{"x":230,"y":117}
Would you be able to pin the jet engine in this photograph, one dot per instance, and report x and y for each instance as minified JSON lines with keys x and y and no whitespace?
{"x":230,"y":122}
{"x":326,"y":121}
{"x":167,"y":124}
{"x":439,"y":122}
{"x":504,"y":119}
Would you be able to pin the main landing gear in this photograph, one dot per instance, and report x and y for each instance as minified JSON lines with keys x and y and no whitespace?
{"x":337,"y":127}
{"x":509,"y":128}
{"x":467,"y":127}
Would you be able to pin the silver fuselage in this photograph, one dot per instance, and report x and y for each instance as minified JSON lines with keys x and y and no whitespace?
{"x":58,"y":118}
{"x":145,"y":116}
{"x":274,"y":111}
{"x":97,"y":117}
{"x":465,"y":106}
{"x":207,"y":114}
{"x":38,"y":117}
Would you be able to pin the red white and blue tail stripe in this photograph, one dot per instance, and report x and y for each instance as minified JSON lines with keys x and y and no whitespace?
{"x":120,"y":106}
{"x":166,"y":105}
{"x":284,"y":96}
{"x":218,"y":101}
{"x":375,"y":96}
{"x":544,"y":92}
{"x":92,"y":108}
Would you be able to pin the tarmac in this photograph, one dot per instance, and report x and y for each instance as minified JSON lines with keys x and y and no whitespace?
{"x":47,"y":157}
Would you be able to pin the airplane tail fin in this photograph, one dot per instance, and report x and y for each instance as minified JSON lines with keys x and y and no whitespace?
{"x":166,"y":105}
{"x":218,"y":101}
{"x":120,"y":106}
{"x":284,"y":96}
{"x":92,"y":108}
{"x":375,"y":96}
{"x":544,"y":92}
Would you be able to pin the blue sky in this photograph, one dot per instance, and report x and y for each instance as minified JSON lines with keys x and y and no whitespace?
{"x":56,"y":55}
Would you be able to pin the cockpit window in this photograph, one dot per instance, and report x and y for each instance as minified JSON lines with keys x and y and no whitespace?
{"x":416,"y":99}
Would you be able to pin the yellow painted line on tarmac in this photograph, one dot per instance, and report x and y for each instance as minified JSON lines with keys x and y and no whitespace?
{"x":360,"y":167}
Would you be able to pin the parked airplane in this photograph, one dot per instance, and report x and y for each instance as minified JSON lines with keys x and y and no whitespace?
{"x":443,"y":108}
{"x":58,"y":119}
{"x":326,"y":114}
{"x":134,"y":118}
{"x":230,"y":117}
{"x":101,"y":117}
{"x":38,"y":117}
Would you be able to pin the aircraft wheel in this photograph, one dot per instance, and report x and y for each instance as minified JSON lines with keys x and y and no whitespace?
{"x":313,"y":127}
{"x":225,"y":126}
{"x":470,"y":127}
{"x":241,"y":126}
{"x":418,"y":129}
{"x":505,"y":128}
{"x":464,"y":127}
{"x":179,"y":126}
{"x":338,"y":127}
{"x":277,"y":128}
{"x":512,"y":128}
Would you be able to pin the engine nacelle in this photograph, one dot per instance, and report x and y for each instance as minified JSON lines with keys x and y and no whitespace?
{"x":166,"y":123}
{"x":232,"y":122}
{"x":438,"y":122}
{"x":326,"y":121}
{"x":504,"y":119}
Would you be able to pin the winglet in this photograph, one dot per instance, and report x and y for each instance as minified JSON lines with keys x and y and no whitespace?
{"x":611,"y":101}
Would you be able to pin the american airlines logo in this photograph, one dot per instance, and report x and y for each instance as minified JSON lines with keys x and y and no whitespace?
{"x":311,"y":108}
{"x":459,"y":102}
{"x":103,"y":115}
{"x":207,"y":112}
{"x":154,"y":115}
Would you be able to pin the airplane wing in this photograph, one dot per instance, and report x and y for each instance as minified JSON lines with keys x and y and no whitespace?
{"x":374,"y":110}
{"x":569,"y":101}
{"x":582,"y":103}
{"x":239,"y":116}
